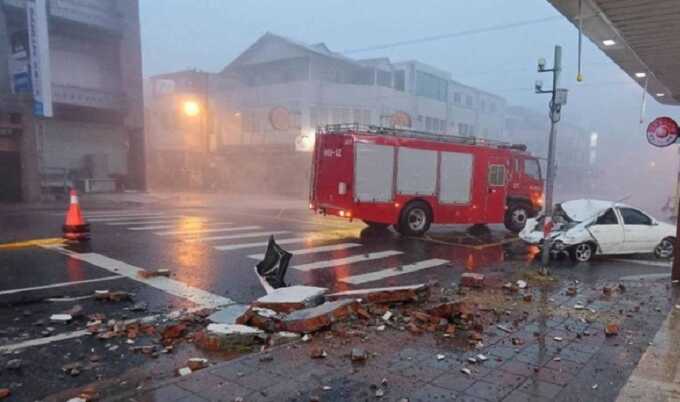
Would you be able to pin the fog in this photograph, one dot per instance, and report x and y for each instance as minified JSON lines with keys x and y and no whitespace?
{"x":464,"y":38}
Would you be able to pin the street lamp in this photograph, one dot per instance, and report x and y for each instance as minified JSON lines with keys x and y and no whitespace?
{"x":191,"y":108}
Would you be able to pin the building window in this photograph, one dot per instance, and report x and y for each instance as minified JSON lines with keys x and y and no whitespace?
{"x":492,"y":107}
{"x":428,"y":123}
{"x":457,"y":98}
{"x":400,"y":80}
{"x":384,"y":78}
{"x":431,"y":86}
{"x":462,"y":129}
{"x":482,"y":106}
{"x":468,"y":100}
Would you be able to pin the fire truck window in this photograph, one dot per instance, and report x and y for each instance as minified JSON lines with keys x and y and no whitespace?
{"x":532,"y":168}
{"x":497,"y":175}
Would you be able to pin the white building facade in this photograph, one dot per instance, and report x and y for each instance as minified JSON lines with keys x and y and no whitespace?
{"x":287,"y":89}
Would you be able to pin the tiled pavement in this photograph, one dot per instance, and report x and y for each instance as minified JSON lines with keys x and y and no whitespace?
{"x":583,"y":366}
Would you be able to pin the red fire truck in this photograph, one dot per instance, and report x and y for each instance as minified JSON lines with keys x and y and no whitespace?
{"x":411,"y":179}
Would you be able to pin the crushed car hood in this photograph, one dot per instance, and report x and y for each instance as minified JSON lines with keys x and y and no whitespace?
{"x":585,"y":209}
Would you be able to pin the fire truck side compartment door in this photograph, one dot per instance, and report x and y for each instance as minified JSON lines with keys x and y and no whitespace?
{"x":455,"y":174}
{"x":373,"y":172}
{"x":416,"y":171}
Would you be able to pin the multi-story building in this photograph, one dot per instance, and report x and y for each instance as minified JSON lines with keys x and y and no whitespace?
{"x":267,"y":103}
{"x":71,"y":106}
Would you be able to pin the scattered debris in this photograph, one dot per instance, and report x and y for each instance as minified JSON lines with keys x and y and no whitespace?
{"x":382,"y":327}
{"x":572,"y":292}
{"x":117,"y":296}
{"x":504,"y":328}
{"x":14,"y":364}
{"x":387,"y":316}
{"x":283,"y":337}
{"x":594,"y":386}
{"x":359,"y":355}
{"x":197,"y":363}
{"x":379,"y":393}
{"x":482,"y":358}
{"x":611,"y":329}
{"x":607,"y":291}
{"x":318,"y":353}
{"x":229,"y":314}
{"x":72,"y":369}
{"x":528,"y":297}
{"x":75,"y":311}
{"x":184,"y":371}
{"x":314,"y":318}
{"x":472,"y":280}
{"x":579,"y":306}
{"x":306,"y":338}
{"x":140,"y":306}
{"x":558,"y":339}
{"x":227,"y":336}
{"x":521,"y":284}
{"x":288,"y":299}
{"x":466,"y":370}
{"x":61,"y":318}
{"x":327,"y":388}
{"x":153,"y":274}
{"x":396,"y":294}
{"x":441,"y":357}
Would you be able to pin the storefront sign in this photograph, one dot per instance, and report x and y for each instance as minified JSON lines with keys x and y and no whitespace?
{"x":39,"y":54}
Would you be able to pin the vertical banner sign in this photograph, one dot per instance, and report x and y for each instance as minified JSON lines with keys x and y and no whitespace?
{"x":39,"y":53}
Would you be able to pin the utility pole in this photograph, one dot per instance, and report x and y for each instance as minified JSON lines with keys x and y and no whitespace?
{"x":558,"y":98}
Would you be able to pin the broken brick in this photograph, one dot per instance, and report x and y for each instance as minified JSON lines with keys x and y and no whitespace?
{"x":197,"y":363}
{"x":414,"y":329}
{"x":607,"y":291}
{"x":291,"y":298}
{"x":395,"y":294}
{"x":262,"y":318}
{"x":172,"y":332}
{"x":314,"y":318}
{"x":318,"y":353}
{"x":358,"y":355}
{"x":572,"y":292}
{"x":219,"y":337}
{"x":420,"y":316}
{"x":472,"y":280}
{"x":611,"y":329}
{"x":528,"y":297}
{"x":153,"y":274}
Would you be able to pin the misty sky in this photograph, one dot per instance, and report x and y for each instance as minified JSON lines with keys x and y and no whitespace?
{"x":208,"y":34}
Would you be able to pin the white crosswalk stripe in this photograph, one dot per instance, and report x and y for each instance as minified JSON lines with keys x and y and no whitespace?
{"x":123,"y":219}
{"x":175,"y":225}
{"x":230,"y":247}
{"x":345,"y":261}
{"x":312,"y":250}
{"x":200,"y":231}
{"x":396,"y":271}
{"x":236,"y":236}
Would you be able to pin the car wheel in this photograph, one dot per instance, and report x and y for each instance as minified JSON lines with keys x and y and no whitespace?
{"x":582,"y":252}
{"x":665,"y":248}
{"x":516,"y":216}
{"x":415,"y":219}
{"x":377,"y":225}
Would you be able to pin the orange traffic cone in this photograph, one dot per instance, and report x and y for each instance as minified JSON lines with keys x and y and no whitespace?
{"x":75,"y":228}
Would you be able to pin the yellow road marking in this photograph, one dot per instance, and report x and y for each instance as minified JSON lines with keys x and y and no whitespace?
{"x":32,"y":243}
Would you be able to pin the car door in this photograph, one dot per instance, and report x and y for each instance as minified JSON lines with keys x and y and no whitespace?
{"x":608,"y":232}
{"x":638,"y":230}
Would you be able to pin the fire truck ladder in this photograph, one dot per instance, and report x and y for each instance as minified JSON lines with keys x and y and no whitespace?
{"x":423,"y":135}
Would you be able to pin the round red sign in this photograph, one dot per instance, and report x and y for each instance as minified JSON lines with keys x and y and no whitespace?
{"x":662,"y":132}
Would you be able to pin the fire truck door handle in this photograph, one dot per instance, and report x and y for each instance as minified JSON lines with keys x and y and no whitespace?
{"x":491,"y":191}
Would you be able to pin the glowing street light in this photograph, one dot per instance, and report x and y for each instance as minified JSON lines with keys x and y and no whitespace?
{"x":191,"y":108}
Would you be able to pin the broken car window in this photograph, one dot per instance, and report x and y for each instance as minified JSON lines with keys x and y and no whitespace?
{"x":609,"y":218}
{"x":634,"y":217}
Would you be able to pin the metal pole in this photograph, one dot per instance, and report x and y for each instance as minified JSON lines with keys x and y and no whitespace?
{"x":550,"y":175}
{"x":675,"y":276}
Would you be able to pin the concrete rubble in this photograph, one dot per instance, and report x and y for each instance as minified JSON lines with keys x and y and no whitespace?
{"x":291,"y":298}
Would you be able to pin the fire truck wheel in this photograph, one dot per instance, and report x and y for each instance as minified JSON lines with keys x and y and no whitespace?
{"x":377,"y":225}
{"x":516,"y":216}
{"x":415,"y":219}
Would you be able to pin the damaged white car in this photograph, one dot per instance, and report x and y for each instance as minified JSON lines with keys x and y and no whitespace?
{"x":583,"y":228}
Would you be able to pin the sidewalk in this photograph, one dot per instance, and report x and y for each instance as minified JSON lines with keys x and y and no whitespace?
{"x":543,"y":350}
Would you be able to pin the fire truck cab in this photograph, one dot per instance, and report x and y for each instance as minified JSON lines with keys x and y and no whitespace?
{"x":410,"y":179}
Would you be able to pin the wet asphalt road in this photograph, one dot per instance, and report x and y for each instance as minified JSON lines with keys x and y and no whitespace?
{"x":210,"y":250}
